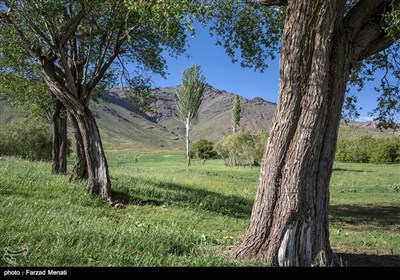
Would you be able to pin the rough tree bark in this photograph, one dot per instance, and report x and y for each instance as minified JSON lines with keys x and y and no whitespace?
{"x":289,"y":221}
{"x":59,"y":144}
{"x":79,"y":170}
{"x":289,"y":225}
{"x":97,"y":168}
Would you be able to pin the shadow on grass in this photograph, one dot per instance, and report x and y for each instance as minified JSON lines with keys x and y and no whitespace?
{"x":365,"y":260}
{"x":381,"y":216}
{"x":147,"y":192}
{"x":351,"y":170}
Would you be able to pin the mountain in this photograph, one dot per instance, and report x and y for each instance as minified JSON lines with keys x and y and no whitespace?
{"x":213,"y":120}
{"x":121,"y":127}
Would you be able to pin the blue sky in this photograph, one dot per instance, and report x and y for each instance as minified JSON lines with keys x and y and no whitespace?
{"x":221,"y":73}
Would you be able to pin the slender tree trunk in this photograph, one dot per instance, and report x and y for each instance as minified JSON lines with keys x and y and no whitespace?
{"x":98,"y":182}
{"x":98,"y":178}
{"x":59,"y":145}
{"x":289,"y":222}
{"x":187,"y":124}
{"x":79,"y":171}
{"x":233,"y":128}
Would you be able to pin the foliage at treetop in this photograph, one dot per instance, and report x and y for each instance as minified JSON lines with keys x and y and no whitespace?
{"x":253,"y":32}
{"x":190,"y":93}
{"x":236,"y":113}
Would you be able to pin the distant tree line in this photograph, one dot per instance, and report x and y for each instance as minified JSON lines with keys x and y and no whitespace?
{"x":26,"y":139}
{"x":368,"y":149}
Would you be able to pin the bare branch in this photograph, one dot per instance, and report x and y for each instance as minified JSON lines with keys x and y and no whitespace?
{"x":70,"y":27}
{"x":100,"y":73}
{"x":67,"y":71}
{"x":369,"y":35}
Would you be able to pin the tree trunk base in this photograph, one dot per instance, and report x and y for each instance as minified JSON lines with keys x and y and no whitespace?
{"x":98,"y":182}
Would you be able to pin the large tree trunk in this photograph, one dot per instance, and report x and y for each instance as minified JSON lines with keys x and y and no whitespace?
{"x":289,"y":222}
{"x":79,"y":171}
{"x":97,"y":168}
{"x":188,"y":160}
{"x":59,"y":145}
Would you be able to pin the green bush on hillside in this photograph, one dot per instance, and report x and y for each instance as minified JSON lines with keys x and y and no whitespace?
{"x":26,"y":139}
{"x":242,"y":148}
{"x":368,"y":149}
{"x":203,"y":149}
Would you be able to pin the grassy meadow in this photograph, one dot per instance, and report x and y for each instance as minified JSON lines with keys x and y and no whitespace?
{"x":178,"y":216}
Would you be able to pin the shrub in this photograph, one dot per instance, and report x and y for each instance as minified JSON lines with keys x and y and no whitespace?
{"x":203,"y":149}
{"x":26,"y":139}
{"x":386,"y":151}
{"x":369,"y":149}
{"x":242,"y":148}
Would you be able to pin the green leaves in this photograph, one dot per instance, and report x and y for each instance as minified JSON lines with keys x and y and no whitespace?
{"x":393,"y":19}
{"x":242,"y":148}
{"x":140,"y":94}
{"x":20,"y":79}
{"x":236,"y":112}
{"x":190,"y":94}
{"x":248,"y":30}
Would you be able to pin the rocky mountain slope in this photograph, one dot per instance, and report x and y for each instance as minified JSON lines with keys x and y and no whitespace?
{"x":122,"y":127}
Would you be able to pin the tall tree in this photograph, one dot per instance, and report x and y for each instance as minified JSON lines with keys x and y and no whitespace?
{"x":190,"y":96}
{"x":76,"y":43}
{"x":323,"y":46}
{"x":235,"y":113}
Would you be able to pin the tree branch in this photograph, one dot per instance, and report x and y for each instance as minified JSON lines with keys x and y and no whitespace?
{"x":369,"y":36}
{"x":359,"y":15}
{"x":102,"y":70}
{"x":70,"y":27}
{"x":67,"y":71}
{"x":273,"y":2}
{"x":377,"y":45}
{"x":28,"y":45}
{"x":39,"y":33}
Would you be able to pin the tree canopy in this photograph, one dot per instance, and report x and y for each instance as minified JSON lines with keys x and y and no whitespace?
{"x":78,"y":46}
{"x":190,"y":93}
{"x":235,"y":113}
{"x":252,"y":30}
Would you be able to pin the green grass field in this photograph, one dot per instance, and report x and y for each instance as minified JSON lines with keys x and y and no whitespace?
{"x":178,"y":216}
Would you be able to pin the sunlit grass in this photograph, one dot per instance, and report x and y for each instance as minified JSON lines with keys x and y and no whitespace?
{"x":174,"y":215}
